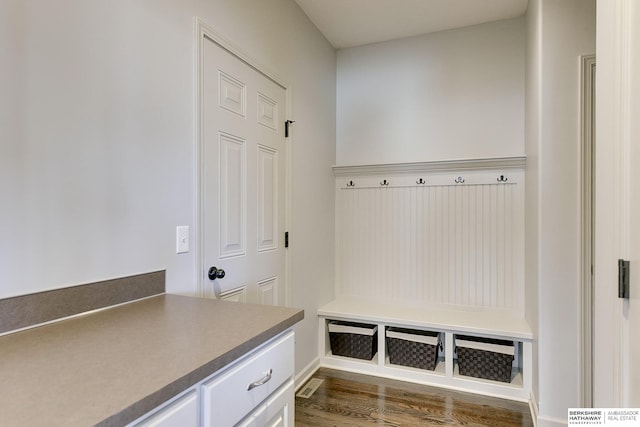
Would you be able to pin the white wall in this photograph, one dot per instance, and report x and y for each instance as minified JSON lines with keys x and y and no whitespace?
{"x":566,"y":30}
{"x":97,"y":139}
{"x":532,"y":188}
{"x":447,"y":95}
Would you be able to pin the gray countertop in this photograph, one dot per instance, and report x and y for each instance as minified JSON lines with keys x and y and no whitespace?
{"x":112,"y":366}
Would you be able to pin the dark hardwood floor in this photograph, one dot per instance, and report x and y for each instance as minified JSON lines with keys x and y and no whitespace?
{"x":347,"y":399}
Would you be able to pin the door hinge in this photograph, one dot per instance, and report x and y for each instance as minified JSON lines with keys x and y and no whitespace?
{"x":287,"y":123}
{"x":623,"y":278}
{"x":286,"y":239}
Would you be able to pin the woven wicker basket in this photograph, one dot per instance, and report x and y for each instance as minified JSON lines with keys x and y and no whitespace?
{"x":408,"y":347}
{"x":485,"y":358}
{"x":355,"y":340}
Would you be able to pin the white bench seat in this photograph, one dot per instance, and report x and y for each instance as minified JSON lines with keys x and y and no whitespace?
{"x":473,"y":322}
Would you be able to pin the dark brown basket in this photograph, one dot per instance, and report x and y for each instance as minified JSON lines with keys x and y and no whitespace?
{"x":482,"y":363}
{"x":411,"y":353}
{"x":354,"y":345}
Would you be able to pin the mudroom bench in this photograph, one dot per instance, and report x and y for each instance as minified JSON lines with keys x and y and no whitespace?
{"x":450,"y":325}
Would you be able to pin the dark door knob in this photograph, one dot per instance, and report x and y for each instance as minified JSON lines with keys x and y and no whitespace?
{"x":215,"y":273}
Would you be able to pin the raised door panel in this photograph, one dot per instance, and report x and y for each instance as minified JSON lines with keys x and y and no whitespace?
{"x":267,"y":290}
{"x":235,"y":295}
{"x":267,"y":112}
{"x":267,"y":199}
{"x":232,"y":196}
{"x":231,"y":94}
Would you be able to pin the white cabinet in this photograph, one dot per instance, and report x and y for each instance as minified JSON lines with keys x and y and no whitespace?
{"x":277,"y":411}
{"x":255,"y":390}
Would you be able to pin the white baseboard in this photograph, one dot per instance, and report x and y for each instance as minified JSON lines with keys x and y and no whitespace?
{"x":533,"y":407}
{"x":303,"y":376}
{"x":551,"y":422}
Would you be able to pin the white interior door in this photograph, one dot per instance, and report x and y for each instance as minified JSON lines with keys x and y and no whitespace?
{"x":243,"y":179}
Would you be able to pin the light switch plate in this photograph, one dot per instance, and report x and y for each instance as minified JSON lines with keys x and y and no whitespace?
{"x":182,"y":239}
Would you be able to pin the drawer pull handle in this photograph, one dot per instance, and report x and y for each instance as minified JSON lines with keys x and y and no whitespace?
{"x":261,"y":381}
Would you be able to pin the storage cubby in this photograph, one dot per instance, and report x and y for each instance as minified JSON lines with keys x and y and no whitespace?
{"x":353,"y":340}
{"x":485,"y":358}
{"x":413,"y":348}
{"x":448,"y":324}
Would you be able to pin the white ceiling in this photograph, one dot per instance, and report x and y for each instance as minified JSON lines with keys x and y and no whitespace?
{"x":349,"y":23}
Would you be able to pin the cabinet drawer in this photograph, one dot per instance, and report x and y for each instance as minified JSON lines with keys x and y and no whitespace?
{"x":231,"y":396}
{"x":181,"y":412}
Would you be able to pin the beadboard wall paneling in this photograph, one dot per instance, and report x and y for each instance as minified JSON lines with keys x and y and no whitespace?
{"x":434,"y":238}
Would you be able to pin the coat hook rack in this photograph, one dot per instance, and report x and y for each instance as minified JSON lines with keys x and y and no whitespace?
{"x":459,"y":180}
{"x":384,"y":182}
{"x":350,"y":184}
{"x":502,"y":178}
{"x":421,"y":181}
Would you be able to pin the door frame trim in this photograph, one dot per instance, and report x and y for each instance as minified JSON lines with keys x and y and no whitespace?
{"x":587,"y":136}
{"x":202,"y":31}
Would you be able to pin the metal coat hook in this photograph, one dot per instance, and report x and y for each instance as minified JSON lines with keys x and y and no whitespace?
{"x":459,"y":180}
{"x":502,"y":178}
{"x":384,"y":182}
{"x":350,"y":184}
{"x":421,"y":181}
{"x":287,"y":125}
